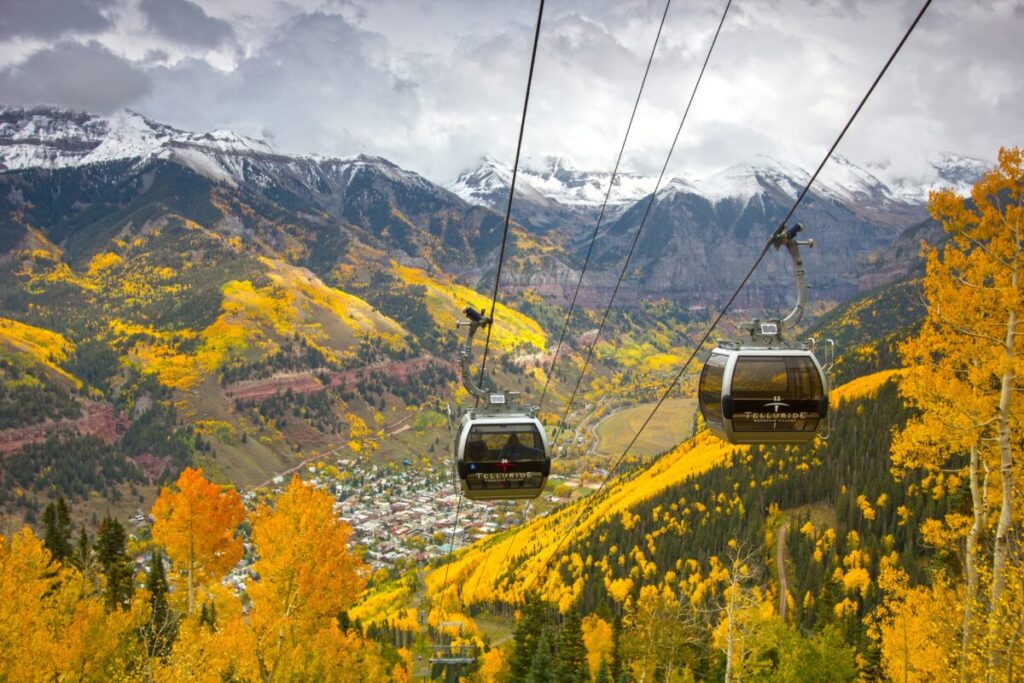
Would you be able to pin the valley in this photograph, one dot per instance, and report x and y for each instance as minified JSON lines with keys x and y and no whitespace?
{"x":197,"y":319}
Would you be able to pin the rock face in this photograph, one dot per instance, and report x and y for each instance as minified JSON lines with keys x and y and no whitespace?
{"x":98,"y":419}
{"x":309,"y":382}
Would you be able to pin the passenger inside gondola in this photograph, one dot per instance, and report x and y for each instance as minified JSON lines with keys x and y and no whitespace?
{"x":494,"y":443}
{"x":512,"y":450}
{"x":476,"y":451}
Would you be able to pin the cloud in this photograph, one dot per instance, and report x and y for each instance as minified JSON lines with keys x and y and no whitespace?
{"x":52,"y":18}
{"x":435,"y":84}
{"x":74,"y":75}
{"x":320,"y":85}
{"x":185,"y":22}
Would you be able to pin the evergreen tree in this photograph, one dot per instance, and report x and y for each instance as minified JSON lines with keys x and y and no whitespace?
{"x":616,"y":668}
{"x":57,"y":525}
{"x":529,"y":628}
{"x":160,"y":629}
{"x":603,"y":674}
{"x":83,"y":552}
{"x":116,"y":565}
{"x":540,"y":667}
{"x":571,"y":664}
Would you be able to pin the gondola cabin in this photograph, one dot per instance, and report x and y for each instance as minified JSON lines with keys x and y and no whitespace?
{"x":501,"y":456}
{"x":763,"y":395}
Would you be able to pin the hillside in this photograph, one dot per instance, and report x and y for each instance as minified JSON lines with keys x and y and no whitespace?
{"x":668,"y":527}
{"x":263,"y":308}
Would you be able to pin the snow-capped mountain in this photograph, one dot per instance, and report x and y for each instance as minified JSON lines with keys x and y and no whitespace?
{"x":553,"y":178}
{"x":951,"y":172}
{"x":52,"y":137}
{"x":841,"y":179}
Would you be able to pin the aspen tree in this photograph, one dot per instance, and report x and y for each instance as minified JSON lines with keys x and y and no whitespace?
{"x":196,"y":525}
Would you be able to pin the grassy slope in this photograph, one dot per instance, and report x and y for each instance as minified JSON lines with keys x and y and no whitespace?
{"x":669,"y":426}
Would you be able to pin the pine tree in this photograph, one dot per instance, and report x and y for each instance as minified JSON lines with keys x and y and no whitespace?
{"x":57,"y":525}
{"x":160,"y":630}
{"x":83,"y":552}
{"x":529,"y":628}
{"x":572,"y":653}
{"x":116,"y":565}
{"x":616,"y":668}
{"x":603,"y":674}
{"x":540,"y":667}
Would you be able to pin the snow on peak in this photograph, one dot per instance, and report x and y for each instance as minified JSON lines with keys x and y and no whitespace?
{"x":676,"y":186}
{"x":551,"y":178}
{"x":54,"y":137}
{"x":843,"y":179}
{"x":744,"y":181}
{"x":351,"y":167}
{"x":949,"y":171}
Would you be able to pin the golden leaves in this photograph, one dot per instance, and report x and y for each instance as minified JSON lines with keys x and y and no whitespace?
{"x":197,"y":524}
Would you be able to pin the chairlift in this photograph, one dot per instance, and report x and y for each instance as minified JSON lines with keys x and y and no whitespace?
{"x":767,"y":388}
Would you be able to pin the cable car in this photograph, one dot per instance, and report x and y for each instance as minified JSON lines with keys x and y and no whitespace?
{"x":501,"y":449}
{"x":767,"y":395}
{"x":767,"y":389}
{"x":503,"y":456}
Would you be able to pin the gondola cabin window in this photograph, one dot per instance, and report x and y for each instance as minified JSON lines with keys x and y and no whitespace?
{"x":710,"y":394}
{"x":497,"y":442}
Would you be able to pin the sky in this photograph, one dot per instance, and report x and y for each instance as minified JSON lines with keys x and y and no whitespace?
{"x":434,"y":85}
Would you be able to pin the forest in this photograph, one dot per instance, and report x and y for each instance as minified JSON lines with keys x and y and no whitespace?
{"x":889,"y":551}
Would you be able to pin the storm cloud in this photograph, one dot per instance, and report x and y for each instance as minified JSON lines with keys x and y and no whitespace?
{"x":52,"y":18}
{"x":436,"y":84}
{"x":185,"y":22}
{"x":80,"y":76}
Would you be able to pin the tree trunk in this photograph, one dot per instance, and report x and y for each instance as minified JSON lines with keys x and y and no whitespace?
{"x":730,"y":612}
{"x":1006,"y":472}
{"x":970,"y":560}
{"x":191,"y":569}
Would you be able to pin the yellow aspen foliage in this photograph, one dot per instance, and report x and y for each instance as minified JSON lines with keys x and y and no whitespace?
{"x":597,"y":637}
{"x":915,"y":629}
{"x":967,"y":363}
{"x":211,"y":655}
{"x":492,"y":666}
{"x":307,"y":570}
{"x":865,"y":508}
{"x":330,"y":654}
{"x":41,"y":346}
{"x":308,"y":575}
{"x":196,"y":525}
{"x":857,"y":580}
{"x":52,"y":624}
{"x":618,"y":589}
